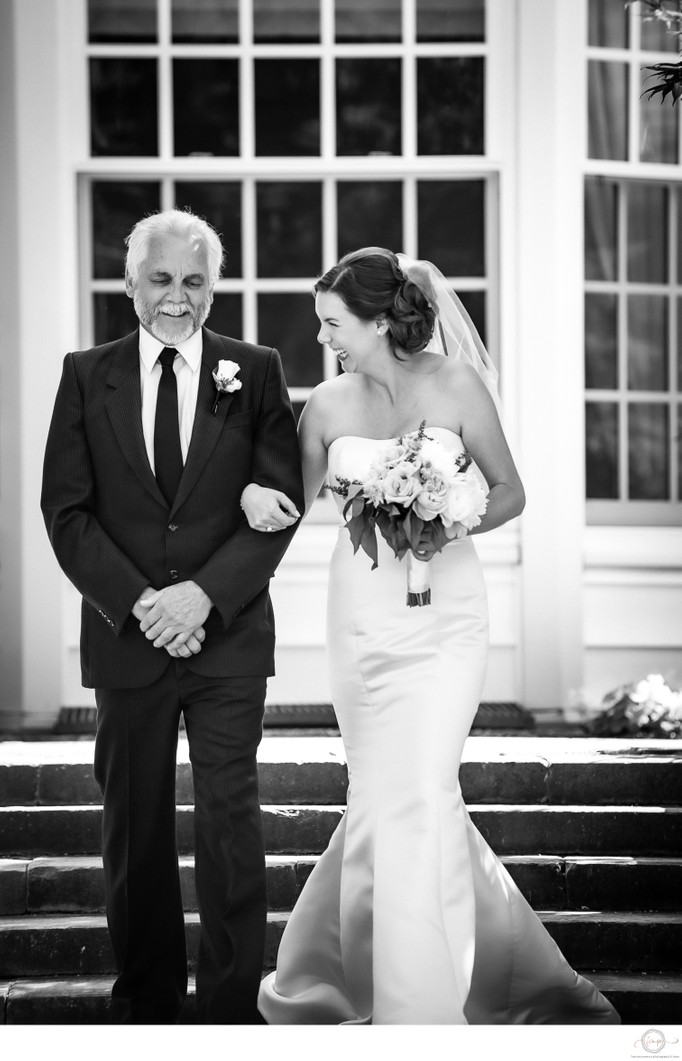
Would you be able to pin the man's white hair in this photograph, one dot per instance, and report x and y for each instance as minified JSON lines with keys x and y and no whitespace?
{"x":173,"y":223}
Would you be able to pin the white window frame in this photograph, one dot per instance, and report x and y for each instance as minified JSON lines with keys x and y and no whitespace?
{"x":624,"y":511}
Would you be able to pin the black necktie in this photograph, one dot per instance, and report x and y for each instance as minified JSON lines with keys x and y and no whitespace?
{"x":167,"y":451}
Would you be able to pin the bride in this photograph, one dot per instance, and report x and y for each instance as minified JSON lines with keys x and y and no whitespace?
{"x":408,"y":917}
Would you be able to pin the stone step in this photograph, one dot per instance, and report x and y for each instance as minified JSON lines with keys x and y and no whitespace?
{"x":79,"y":945}
{"x":553,"y":770}
{"x":289,"y":829}
{"x":75,"y":884}
{"x":639,"y":999}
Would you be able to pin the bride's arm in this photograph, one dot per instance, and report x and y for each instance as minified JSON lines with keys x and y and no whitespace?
{"x":484,"y":439}
{"x":267,"y":508}
{"x":311,"y":437}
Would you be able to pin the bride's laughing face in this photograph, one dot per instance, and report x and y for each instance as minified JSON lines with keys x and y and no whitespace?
{"x":353,"y":340}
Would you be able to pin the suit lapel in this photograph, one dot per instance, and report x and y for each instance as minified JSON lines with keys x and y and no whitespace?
{"x":124,"y":406}
{"x":207,"y":424}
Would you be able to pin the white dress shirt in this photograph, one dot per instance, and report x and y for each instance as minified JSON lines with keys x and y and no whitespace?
{"x":186,"y":368}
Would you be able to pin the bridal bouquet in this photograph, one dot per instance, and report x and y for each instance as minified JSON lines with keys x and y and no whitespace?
{"x":415,"y":489}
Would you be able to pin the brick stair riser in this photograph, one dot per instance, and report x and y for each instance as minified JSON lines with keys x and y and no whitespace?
{"x":641,"y":783}
{"x":288,"y":829}
{"x":87,"y":1001}
{"x":80,"y":946}
{"x":75,"y":885}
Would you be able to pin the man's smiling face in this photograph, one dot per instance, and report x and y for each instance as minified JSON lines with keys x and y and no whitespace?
{"x":171,"y":291}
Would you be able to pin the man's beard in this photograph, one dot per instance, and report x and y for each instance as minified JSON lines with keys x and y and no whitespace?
{"x":171,"y":330}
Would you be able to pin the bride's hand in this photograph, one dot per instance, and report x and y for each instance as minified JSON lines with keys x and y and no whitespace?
{"x":267,"y":509}
{"x":426,"y":549}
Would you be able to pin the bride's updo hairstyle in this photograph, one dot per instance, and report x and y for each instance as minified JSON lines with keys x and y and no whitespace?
{"x":370,"y":283}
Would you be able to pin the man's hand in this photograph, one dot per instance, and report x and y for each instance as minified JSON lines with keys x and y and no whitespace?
{"x":139,"y":610}
{"x":175,"y":615}
{"x":181,"y":648}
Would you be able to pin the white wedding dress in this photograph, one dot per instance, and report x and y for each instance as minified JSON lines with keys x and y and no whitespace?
{"x":409,"y":917}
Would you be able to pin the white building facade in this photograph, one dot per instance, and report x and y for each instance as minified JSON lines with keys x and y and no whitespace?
{"x":506,"y":140}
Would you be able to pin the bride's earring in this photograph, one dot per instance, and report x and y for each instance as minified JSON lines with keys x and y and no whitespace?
{"x":382,"y":327}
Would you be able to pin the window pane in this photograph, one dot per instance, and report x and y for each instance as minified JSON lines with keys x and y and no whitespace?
{"x":475,"y":304}
{"x":608,"y":24}
{"x":648,"y":452}
{"x":658,"y":128}
{"x":601,"y":450}
{"x":221,"y":204}
{"x":205,"y":21}
{"x":601,"y":229}
{"x":288,"y":322}
{"x":123,"y":107}
{"x":287,"y":107}
{"x":370,"y":214}
{"x":116,"y":207}
{"x":226,"y":314}
{"x":647,"y":342}
{"x":450,"y":106}
{"x":647,"y":231}
{"x":656,"y":36}
{"x":607,"y":110}
{"x":122,"y":21}
{"x":286,"y":21}
{"x":289,"y":237}
{"x":601,"y":341}
{"x":368,"y":105}
{"x":206,"y":106}
{"x":114,"y":316}
{"x":357,"y":20}
{"x":450,"y":20}
{"x":451,"y":226}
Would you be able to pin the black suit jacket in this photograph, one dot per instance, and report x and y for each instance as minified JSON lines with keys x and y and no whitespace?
{"x":114,"y":534}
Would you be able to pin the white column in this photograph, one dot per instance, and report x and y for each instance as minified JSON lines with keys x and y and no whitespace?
{"x":549,"y":222}
{"x":39,"y":326}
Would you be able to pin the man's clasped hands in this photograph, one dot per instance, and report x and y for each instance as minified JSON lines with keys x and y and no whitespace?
{"x":173,"y":617}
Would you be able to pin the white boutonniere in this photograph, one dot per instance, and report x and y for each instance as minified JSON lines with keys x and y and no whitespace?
{"x":224,"y":376}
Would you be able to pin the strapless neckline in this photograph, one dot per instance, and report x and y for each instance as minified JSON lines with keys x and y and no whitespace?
{"x":393,"y":438}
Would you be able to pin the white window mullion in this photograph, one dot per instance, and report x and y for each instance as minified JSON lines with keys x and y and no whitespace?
{"x":247,"y":78}
{"x":327,"y":82}
{"x":165,"y":80}
{"x":330,"y":235}
{"x":87,"y":322}
{"x":330,"y":254}
{"x":623,"y":338}
{"x":634,"y":90}
{"x":673,"y":338}
{"x":409,"y":80}
{"x":249,"y":263}
{"x":167,"y":195}
{"x":410,"y":229}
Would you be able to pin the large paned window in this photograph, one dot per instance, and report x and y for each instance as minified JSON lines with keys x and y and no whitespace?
{"x":300,"y":129}
{"x":633,"y":276}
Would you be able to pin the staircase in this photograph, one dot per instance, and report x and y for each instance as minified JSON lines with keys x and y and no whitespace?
{"x":591,"y":830}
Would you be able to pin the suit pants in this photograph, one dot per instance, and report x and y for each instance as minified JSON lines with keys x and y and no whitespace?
{"x":135,"y":765}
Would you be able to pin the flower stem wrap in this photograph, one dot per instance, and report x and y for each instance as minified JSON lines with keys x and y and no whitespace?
{"x":418,"y":582}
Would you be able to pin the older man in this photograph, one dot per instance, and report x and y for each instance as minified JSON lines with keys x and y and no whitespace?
{"x":153,"y":438}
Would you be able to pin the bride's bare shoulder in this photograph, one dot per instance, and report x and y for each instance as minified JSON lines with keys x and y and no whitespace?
{"x":328,"y":394}
{"x":327,"y":404}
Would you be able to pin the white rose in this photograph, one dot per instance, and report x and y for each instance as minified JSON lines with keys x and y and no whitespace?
{"x":402,"y":484}
{"x":467,"y":502}
{"x":437,"y":457}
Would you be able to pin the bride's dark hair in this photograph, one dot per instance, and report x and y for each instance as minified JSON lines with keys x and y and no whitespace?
{"x":369,"y":281}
